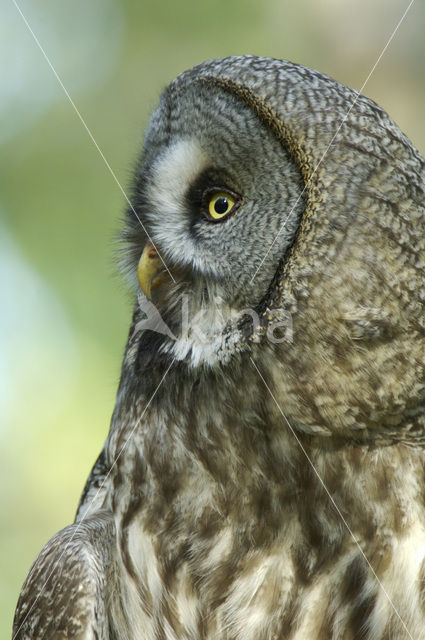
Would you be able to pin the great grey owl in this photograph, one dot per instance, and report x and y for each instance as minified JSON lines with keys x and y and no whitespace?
{"x":263,"y":476}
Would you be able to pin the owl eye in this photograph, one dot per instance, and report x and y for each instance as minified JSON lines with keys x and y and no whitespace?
{"x":220,"y":204}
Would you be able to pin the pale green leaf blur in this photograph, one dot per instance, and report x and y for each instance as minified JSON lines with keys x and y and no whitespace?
{"x":64,"y":309}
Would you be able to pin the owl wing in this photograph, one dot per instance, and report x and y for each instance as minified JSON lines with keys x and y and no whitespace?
{"x":64,"y":595}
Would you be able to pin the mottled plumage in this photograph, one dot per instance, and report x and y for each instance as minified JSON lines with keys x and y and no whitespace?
{"x":258,"y":484}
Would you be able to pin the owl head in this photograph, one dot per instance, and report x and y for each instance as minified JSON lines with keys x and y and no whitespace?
{"x":219,"y":200}
{"x":268,"y":187}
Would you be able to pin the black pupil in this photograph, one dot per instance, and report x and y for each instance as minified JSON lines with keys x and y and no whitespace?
{"x":221,"y":205}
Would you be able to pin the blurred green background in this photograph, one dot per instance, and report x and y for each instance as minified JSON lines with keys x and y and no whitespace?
{"x":64,"y":309}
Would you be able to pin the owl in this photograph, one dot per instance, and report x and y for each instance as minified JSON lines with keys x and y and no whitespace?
{"x":263,"y":476}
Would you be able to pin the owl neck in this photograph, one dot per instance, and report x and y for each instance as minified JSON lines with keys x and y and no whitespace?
{"x":203,"y":444}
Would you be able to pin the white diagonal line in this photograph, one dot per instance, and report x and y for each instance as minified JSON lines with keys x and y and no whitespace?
{"x":333,"y":138}
{"x":331,"y":498}
{"x":83,"y":122}
{"x":94,"y":498}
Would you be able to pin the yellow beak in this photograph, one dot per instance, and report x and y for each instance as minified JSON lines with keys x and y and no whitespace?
{"x":151,"y":270}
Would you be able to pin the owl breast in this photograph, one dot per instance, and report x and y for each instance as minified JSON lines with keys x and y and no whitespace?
{"x":234,"y":544}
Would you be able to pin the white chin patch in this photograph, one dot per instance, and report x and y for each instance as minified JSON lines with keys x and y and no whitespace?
{"x":203,"y":341}
{"x":174,"y":172}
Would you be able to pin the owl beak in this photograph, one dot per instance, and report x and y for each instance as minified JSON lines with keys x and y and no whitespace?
{"x":151,"y":270}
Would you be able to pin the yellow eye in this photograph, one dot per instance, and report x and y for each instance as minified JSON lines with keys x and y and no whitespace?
{"x":220,"y":205}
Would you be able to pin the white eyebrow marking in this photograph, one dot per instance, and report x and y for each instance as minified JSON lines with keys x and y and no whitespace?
{"x":173,"y":172}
